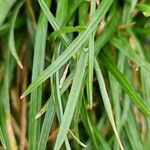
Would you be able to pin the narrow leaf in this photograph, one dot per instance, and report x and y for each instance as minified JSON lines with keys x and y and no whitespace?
{"x":72,"y":100}
{"x":106,"y":101}
{"x":2,"y":139}
{"x":46,"y":127}
{"x":145,"y":8}
{"x":38,"y":66}
{"x":11,"y":34}
{"x":124,"y":83}
{"x":5,"y":8}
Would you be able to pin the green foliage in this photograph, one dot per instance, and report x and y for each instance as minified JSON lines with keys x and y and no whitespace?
{"x":74,"y":74}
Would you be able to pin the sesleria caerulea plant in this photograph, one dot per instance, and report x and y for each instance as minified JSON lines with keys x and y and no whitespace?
{"x":74,"y":74}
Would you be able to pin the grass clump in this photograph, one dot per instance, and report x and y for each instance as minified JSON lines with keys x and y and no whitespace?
{"x":74,"y":74}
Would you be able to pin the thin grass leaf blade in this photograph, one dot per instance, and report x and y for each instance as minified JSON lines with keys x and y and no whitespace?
{"x":64,"y":87}
{"x":38,"y":66}
{"x":78,"y":141}
{"x":5,"y":8}
{"x":91,"y":59}
{"x":62,"y":11}
{"x":52,"y":20}
{"x":67,"y":29}
{"x":145,"y":8}
{"x":2,"y":139}
{"x":106,"y":101}
{"x":11,"y":35}
{"x":124,"y":84}
{"x":46,"y":127}
{"x":96,"y":138}
{"x":123,"y":46}
{"x":133,"y":4}
{"x":109,"y":30}
{"x":72,"y":100}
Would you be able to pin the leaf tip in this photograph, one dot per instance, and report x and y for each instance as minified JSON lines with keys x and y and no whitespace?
{"x":37,"y":116}
{"x":22,"y":96}
{"x":21,"y":66}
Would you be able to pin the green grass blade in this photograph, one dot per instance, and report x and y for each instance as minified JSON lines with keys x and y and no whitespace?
{"x":62,"y":11}
{"x":127,"y":102}
{"x":72,"y":48}
{"x":124,"y":84}
{"x":73,"y":8}
{"x":57,"y":96}
{"x":5,"y":8}
{"x":67,"y":29}
{"x":11,"y":34}
{"x":132,"y":132}
{"x":4,"y":29}
{"x":5,"y":112}
{"x":2,"y":139}
{"x":96,"y":138}
{"x":133,"y":4}
{"x":83,"y":13}
{"x":145,"y":8}
{"x":91,"y":59}
{"x":106,"y":101}
{"x":79,"y":142}
{"x":142,"y":31}
{"x":38,"y":66}
{"x":64,"y":87}
{"x":46,"y":127}
{"x":72,"y":100}
{"x":54,"y":23}
{"x":109,"y":30}
{"x":43,"y":109}
{"x":123,"y":46}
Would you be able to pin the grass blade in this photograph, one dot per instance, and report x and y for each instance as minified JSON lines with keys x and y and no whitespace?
{"x":38,"y":66}
{"x":96,"y":138}
{"x":109,"y":30}
{"x":145,"y":8}
{"x":91,"y":59}
{"x":54,"y":23}
{"x":106,"y":101}
{"x":124,"y":84}
{"x":5,"y":8}
{"x":11,"y":34}
{"x":133,"y":4}
{"x":70,"y":107}
{"x":78,"y":141}
{"x":132,"y":133}
{"x":5,"y":112}
{"x":47,"y":124}
{"x":123,"y":45}
{"x":57,"y":95}
{"x":62,"y":11}
{"x":2,"y":139}
{"x":64,"y":87}
{"x":68,"y":29}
